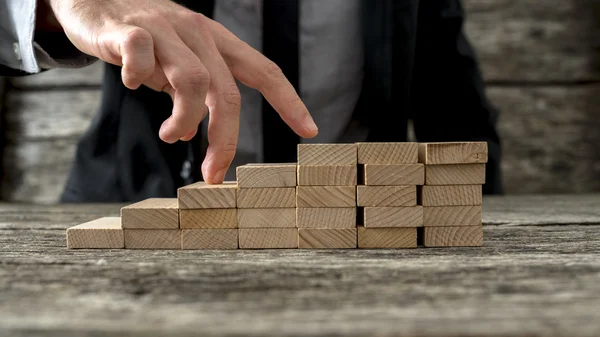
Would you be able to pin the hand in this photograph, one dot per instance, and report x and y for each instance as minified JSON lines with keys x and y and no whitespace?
{"x":169,"y":48}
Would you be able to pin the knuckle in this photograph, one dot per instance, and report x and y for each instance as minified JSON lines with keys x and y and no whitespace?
{"x":229,"y":148}
{"x":231,"y":95}
{"x":137,"y":37}
{"x":272,"y":70}
{"x":199,"y":21}
{"x":195,"y":78}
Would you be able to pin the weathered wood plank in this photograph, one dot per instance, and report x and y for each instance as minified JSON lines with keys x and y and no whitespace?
{"x":532,"y":40}
{"x":548,"y":285}
{"x":88,"y":76}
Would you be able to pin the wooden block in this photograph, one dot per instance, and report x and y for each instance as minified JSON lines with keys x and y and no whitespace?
{"x":208,"y":218}
{"x":152,"y":238}
{"x":266,"y":175}
{"x":387,"y":237}
{"x":453,"y":153}
{"x":452,"y":216}
{"x":453,"y":236}
{"x":326,"y":196}
{"x":266,"y":217}
{"x":100,"y":233}
{"x":326,"y":154}
{"x":451,"y":195}
{"x":271,"y":197}
{"x":455,"y":174}
{"x":264,"y":238}
{"x":386,"y":196}
{"x":203,"y":195}
{"x":153,"y":213}
{"x":339,"y":217}
{"x":213,"y":238}
{"x":393,"y":216}
{"x":327,"y":175}
{"x":336,"y":238}
{"x":388,"y":153}
{"x":390,"y":175}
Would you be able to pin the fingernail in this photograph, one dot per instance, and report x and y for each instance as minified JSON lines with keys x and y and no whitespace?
{"x":309,"y":123}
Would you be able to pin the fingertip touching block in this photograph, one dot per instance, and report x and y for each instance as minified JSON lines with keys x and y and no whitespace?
{"x":266,"y":175}
{"x":102,"y":233}
{"x":387,"y":153}
{"x":326,"y":154}
{"x":202,"y":195}
{"x":152,"y":213}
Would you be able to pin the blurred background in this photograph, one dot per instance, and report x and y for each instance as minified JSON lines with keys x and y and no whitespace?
{"x":541,"y":64}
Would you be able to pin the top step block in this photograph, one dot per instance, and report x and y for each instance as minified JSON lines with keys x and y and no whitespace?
{"x":266,"y":175}
{"x":202,"y":195}
{"x":326,"y":154}
{"x":453,"y":153}
{"x":388,"y":153}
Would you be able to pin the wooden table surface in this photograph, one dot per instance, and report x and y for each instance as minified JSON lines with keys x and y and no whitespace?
{"x":538,"y":274}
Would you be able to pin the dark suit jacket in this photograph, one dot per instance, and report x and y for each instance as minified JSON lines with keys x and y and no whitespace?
{"x":428,"y":75}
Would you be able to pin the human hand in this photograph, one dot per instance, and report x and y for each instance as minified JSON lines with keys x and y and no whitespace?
{"x":194,"y":59}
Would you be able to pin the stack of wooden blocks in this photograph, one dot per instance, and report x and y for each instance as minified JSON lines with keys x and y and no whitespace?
{"x":337,"y":196}
{"x":452,"y":193}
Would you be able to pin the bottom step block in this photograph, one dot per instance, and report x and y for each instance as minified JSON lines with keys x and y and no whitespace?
{"x":396,"y":237}
{"x":213,"y":238}
{"x":453,"y":236}
{"x":265,"y":238}
{"x":336,"y":238}
{"x":103,"y":233}
{"x":152,"y":238}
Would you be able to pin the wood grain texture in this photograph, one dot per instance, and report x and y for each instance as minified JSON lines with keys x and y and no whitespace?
{"x":202,"y":195}
{"x":208,"y":218}
{"x":387,"y":237}
{"x":266,"y":217}
{"x":390,"y":175}
{"x":268,"y":238}
{"x":449,"y":236}
{"x":272,"y":197}
{"x":455,"y":174}
{"x":152,"y":238}
{"x":102,"y":233}
{"x":327,"y":175}
{"x":152,"y":213}
{"x":327,"y":238}
{"x":386,"y":196}
{"x":387,"y":153}
{"x":452,"y":216}
{"x":209,"y":238}
{"x":326,"y":154}
{"x":326,"y":196}
{"x":451,"y":195}
{"x":453,"y":153}
{"x":326,"y":217}
{"x":393,"y":216}
{"x":266,"y":175}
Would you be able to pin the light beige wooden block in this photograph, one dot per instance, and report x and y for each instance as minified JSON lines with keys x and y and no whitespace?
{"x":453,"y":153}
{"x":100,"y":233}
{"x":211,"y":238}
{"x":455,"y":174}
{"x":328,"y":238}
{"x":266,"y":175}
{"x":439,"y":216}
{"x":265,"y":238}
{"x":327,"y":175}
{"x":326,"y":217}
{"x":271,"y":197}
{"x":386,"y":196}
{"x":387,"y":237}
{"x":393,"y":216}
{"x":152,"y":238}
{"x":451,"y":195}
{"x":326,"y":154}
{"x":266,"y":217}
{"x":388,"y":153}
{"x":390,"y":175}
{"x":203,"y":195}
{"x":208,"y":218}
{"x":326,"y":196}
{"x":152,"y":213}
{"x":449,"y":236}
